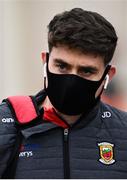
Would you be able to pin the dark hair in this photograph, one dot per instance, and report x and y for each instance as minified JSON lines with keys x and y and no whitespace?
{"x":85,"y":31}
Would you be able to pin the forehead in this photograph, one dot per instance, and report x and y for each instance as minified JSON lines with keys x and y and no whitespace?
{"x":75,"y":58}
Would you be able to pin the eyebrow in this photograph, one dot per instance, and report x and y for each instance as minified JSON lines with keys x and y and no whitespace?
{"x":81,"y":67}
{"x":88,"y":68}
{"x":61,"y":61}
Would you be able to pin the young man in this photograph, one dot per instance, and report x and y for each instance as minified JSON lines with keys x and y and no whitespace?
{"x":67,"y":132}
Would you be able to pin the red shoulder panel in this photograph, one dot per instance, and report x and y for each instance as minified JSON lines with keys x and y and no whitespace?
{"x":24,"y":108}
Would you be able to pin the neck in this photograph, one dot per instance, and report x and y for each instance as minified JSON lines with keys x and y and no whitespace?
{"x":69,"y":119}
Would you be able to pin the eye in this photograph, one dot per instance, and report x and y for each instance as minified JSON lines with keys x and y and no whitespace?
{"x":62,"y":67}
{"x":87,"y":72}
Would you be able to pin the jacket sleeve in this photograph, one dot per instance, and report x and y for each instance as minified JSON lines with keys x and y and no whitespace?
{"x":8,"y":134}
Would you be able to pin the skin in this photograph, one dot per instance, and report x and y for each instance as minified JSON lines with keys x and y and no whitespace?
{"x":63,"y":60}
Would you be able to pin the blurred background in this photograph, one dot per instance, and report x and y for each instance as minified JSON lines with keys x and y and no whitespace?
{"x":23,"y":36}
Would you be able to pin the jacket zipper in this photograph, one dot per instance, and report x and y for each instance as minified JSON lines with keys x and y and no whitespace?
{"x":66,"y":155}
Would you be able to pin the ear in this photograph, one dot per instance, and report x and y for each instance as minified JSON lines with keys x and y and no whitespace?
{"x":112,"y":72}
{"x":109,"y":76}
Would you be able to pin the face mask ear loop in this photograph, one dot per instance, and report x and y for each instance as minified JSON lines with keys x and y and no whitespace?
{"x":105,"y":74}
{"x":47,"y":57}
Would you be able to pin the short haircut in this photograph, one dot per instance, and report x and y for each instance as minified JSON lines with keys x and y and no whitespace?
{"x":86,"y":31}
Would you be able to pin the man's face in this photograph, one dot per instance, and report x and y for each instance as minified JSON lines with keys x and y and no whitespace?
{"x":63,"y":60}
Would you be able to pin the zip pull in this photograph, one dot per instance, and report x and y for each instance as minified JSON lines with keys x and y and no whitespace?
{"x":66,"y":132}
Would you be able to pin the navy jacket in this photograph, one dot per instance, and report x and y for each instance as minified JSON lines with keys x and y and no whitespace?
{"x":94,"y":147}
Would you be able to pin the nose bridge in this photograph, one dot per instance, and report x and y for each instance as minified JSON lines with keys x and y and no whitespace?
{"x":74,"y":70}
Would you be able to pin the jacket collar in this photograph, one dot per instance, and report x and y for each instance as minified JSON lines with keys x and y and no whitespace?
{"x":51,"y":120}
{"x":41,"y":128}
{"x":93,"y":118}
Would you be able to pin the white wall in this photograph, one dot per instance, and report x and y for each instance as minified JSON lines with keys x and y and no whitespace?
{"x":23,"y":36}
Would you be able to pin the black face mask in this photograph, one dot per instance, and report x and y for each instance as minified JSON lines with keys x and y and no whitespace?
{"x":71,"y":94}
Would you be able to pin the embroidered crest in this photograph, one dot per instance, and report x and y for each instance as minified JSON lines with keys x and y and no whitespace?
{"x":106,"y":153}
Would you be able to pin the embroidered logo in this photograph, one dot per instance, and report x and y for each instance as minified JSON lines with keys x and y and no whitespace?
{"x":106,"y":153}
{"x":26,"y":154}
{"x":26,"y":150}
{"x":106,"y":114}
{"x":7,"y":120}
